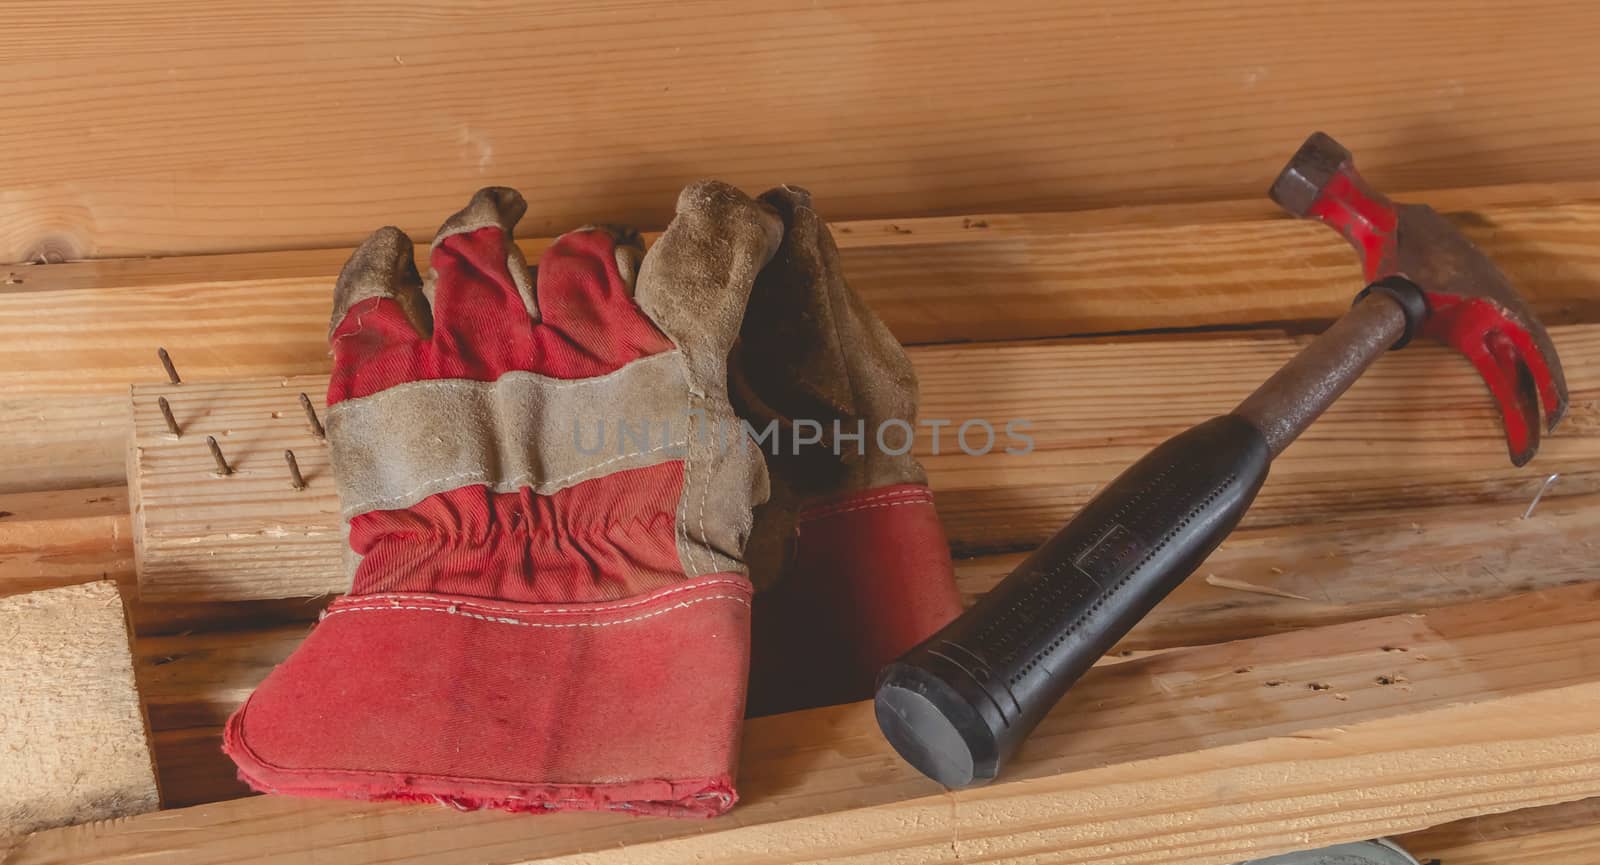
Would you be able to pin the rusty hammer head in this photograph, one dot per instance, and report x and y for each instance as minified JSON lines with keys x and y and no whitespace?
{"x":1470,"y":303}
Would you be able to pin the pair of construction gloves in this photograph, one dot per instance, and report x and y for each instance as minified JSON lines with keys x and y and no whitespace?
{"x":558,"y":485}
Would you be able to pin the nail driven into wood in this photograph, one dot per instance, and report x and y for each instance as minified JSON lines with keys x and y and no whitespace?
{"x":311,"y":417}
{"x":1548,"y":482}
{"x":216,"y":453}
{"x":295,"y":478}
{"x":166,"y":364}
{"x":166,"y":415}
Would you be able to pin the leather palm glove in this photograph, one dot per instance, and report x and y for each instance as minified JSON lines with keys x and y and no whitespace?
{"x":549,"y":606}
{"x":861,"y":563}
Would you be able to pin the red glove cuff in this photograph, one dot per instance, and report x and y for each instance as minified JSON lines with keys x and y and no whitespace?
{"x":869,"y":577}
{"x":633,"y":705}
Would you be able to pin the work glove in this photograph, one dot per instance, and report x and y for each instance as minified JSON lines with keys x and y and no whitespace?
{"x":549,"y":606}
{"x":850,"y":537}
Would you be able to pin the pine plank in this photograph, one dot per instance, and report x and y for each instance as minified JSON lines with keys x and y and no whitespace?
{"x":1418,"y":430}
{"x":1339,"y":570}
{"x":201,"y":138}
{"x":1272,"y":579}
{"x":1199,"y":756}
{"x":932,"y":279}
{"x":64,"y":537}
{"x":71,"y":728}
{"x":192,"y":524}
{"x":1565,"y":834}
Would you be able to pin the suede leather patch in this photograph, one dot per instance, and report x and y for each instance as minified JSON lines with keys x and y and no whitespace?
{"x":694,"y":284}
{"x":403,"y":444}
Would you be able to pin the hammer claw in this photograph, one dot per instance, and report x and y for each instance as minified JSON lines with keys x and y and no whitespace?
{"x":1511,"y":383}
{"x":1511,"y":363}
{"x":1471,"y":306}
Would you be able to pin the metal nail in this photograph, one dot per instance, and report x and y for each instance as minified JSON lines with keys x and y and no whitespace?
{"x":166,"y":363}
{"x":295,"y":480}
{"x":216,"y":453}
{"x":311,"y":417}
{"x":166,"y":415}
{"x":1548,"y":482}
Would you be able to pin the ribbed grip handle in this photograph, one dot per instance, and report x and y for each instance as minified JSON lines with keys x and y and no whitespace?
{"x":958,"y":705}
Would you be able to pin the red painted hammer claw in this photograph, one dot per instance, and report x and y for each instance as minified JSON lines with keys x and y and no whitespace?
{"x":1470,"y":305}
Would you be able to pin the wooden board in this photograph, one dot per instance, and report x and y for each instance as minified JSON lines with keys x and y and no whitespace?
{"x":1565,"y":834}
{"x":62,"y":416}
{"x":1199,"y":756}
{"x":71,"y":727}
{"x":1271,"y":579}
{"x":1277,"y":579}
{"x":225,"y":126}
{"x":200,"y":535}
{"x":1417,"y":429}
{"x":64,"y":537}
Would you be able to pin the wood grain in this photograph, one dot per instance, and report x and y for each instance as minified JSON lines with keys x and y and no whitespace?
{"x":227,"y":126}
{"x":1418,"y":429}
{"x":64,"y":537}
{"x":1361,"y":565}
{"x":1333,"y":571}
{"x":1201,"y":756}
{"x":1565,"y":834}
{"x":70,"y":725}
{"x":932,"y":280}
{"x":192,"y":524}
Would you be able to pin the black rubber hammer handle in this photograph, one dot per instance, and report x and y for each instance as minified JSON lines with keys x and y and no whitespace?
{"x":958,"y":705}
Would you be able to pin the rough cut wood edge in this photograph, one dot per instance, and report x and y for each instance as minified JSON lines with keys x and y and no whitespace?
{"x":1417,"y":430}
{"x":204,"y":536}
{"x":1199,"y":756}
{"x":935,"y":279}
{"x":71,"y":727}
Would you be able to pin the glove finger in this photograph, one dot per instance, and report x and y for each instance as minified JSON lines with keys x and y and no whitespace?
{"x":586,"y":285}
{"x":810,"y":347}
{"x":696,"y":279}
{"x":378,"y":302}
{"x":693,"y":284}
{"x":790,"y":347}
{"x":479,"y":280}
{"x":812,"y":338}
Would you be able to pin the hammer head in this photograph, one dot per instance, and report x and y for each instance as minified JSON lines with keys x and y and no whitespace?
{"x":1471,"y":304}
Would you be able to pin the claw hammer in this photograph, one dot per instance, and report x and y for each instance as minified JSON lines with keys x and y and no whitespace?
{"x":958,"y":705}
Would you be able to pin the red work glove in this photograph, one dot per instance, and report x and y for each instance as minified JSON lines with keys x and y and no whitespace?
{"x":541,"y":616}
{"x":862,"y":565}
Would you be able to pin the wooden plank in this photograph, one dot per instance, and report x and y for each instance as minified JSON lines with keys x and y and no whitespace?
{"x":70,"y":724}
{"x":193,"y":524}
{"x":1417,"y":430}
{"x":1281,"y":579}
{"x":204,"y":139}
{"x":69,"y":537}
{"x":1272,"y":579}
{"x":64,"y":537}
{"x":1199,"y":756}
{"x":1565,"y":834}
{"x":196,"y":661}
{"x":932,"y":280}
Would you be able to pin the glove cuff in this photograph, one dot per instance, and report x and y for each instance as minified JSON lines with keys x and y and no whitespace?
{"x":869,"y":577}
{"x":630,"y":706}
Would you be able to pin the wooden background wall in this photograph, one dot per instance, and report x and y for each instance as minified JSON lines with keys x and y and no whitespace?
{"x":139,"y":128}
